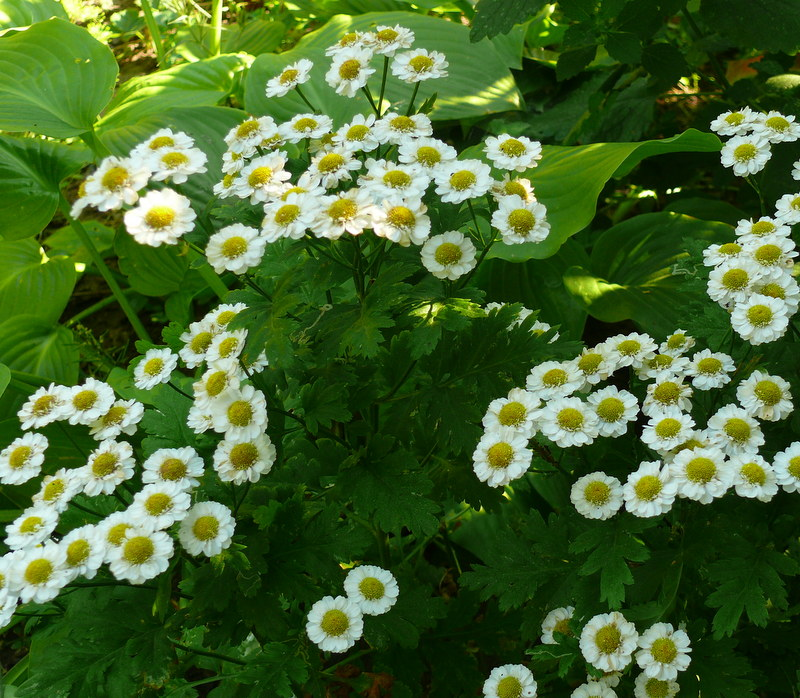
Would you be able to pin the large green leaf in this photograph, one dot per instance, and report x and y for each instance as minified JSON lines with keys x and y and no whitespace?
{"x":254,"y":37}
{"x":30,"y":172}
{"x":21,"y":13}
{"x":152,"y":271}
{"x":569,"y":179}
{"x":5,"y":378}
{"x":54,"y":79}
{"x":31,"y":284}
{"x":466,"y":92}
{"x":33,"y":345}
{"x":631,"y":270}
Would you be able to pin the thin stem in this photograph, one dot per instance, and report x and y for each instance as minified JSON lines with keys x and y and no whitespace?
{"x":178,"y":390}
{"x":244,"y":496}
{"x":216,"y":28}
{"x":92,"y":309}
{"x":346,"y":660}
{"x":366,"y":91}
{"x":410,"y":109}
{"x":383,"y":83}
{"x":305,"y":99}
{"x":752,"y":182}
{"x":155,"y":33}
{"x":207,"y":653}
{"x":105,"y":272}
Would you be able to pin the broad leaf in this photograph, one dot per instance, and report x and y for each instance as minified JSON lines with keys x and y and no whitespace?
{"x":5,"y":378}
{"x":33,"y":345}
{"x":21,"y":13}
{"x":152,"y":271}
{"x":493,"y":17}
{"x":54,"y":79}
{"x":254,"y":37}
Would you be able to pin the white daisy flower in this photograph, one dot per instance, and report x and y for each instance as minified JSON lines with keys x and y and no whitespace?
{"x":460,"y":180}
{"x":196,"y":341}
{"x":753,"y":477}
{"x":350,"y":71}
{"x":615,"y":408}
{"x":262,"y":178}
{"x":78,"y":206}
{"x":551,"y":379}
{"x":162,"y":140}
{"x":85,"y":550}
{"x":765,"y":397}
{"x":631,"y":349}
{"x":776,"y":127}
{"x":773,"y":253}
{"x":235,"y":248}
{"x":207,"y":529}
{"x":732,"y":281}
{"x":385,"y":178}
{"x":649,"y":491}
{"x":232,"y":162}
{"x":746,"y":154}
{"x":667,"y":392}
{"x":161,"y":218}
{"x":177,"y":164}
{"x":667,"y":429}
{"x":608,"y":641}
{"x":346,"y":212}
{"x":596,"y":496}
{"x":734,"y":431}
{"x":240,"y":415}
{"x":225,"y":188}
{"x":449,"y":255}
{"x":593,"y":689}
{"x":160,"y":504}
{"x":787,"y":209}
{"x":181,"y":466}
{"x":122,"y":418}
{"x":22,"y":459}
{"x":734,"y":123}
{"x":199,"y":419}
{"x":710,"y":370}
{"x":116,"y":182}
{"x":154,"y":368}
{"x":510,"y":680}
{"x":242,"y":461}
{"x":332,"y":167}
{"x":787,"y":467}
{"x":502,"y":455}
{"x":225,"y":348}
{"x":305,"y":126}
{"x":647,"y":687}
{"x":290,"y":217}
{"x":290,"y":77}
{"x":714,"y":255}
{"x":664,"y":652}
{"x":427,"y":153}
{"x":110,"y":464}
{"x":58,"y":489}
{"x":142,"y":555}
{"x":402,"y":221}
{"x":44,"y":406}
{"x":222,"y":315}
{"x":418,"y":64}
{"x":538,"y":328}
{"x":373,"y":589}
{"x":516,"y":411}
{"x":520,"y":222}
{"x":677,"y":344}
{"x":594,"y":365}
{"x":335,"y":624}
{"x":386,"y":41}
{"x":88,"y":402}
{"x":760,"y":319}
{"x":112,"y":530}
{"x":568,"y":421}
{"x":749,"y":231}
{"x":783,"y":287}
{"x":357,"y":135}
{"x":350,"y":40}
{"x":39,"y":574}
{"x":701,"y":474}
{"x":397,"y":129}
{"x":557,"y":621}
{"x":249,"y":134}
{"x":31,"y":528}
{"x":509,"y":153}
{"x":517,"y":186}
{"x":218,"y":383}
{"x":662,"y":366}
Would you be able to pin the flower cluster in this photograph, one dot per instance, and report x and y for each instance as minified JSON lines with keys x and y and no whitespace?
{"x":335,"y":624}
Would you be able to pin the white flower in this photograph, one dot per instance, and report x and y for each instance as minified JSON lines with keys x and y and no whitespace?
{"x":746,"y":154}
{"x":350,"y":40}
{"x":714,"y":255}
{"x":199,"y":419}
{"x":749,"y":231}
{"x":787,"y":467}
{"x":558,"y":620}
{"x":510,"y":680}
{"x":207,"y":529}
{"x":305,"y":126}
{"x":350,"y":71}
{"x":39,"y":574}
{"x":773,"y":253}
{"x":664,"y":651}
{"x":732,"y":281}
{"x":112,"y":530}
{"x":240,"y":415}
{"x":401,"y":221}
{"x":519,"y":221}
{"x":608,"y":641}
{"x":398,"y":129}
{"x":677,"y":344}
{"x":667,"y":429}
{"x":551,"y":379}
{"x":177,"y":465}
{"x":110,"y":464}
{"x":244,"y":138}
{"x":330,"y":168}
{"x":662,"y":366}
{"x":218,"y":383}
{"x":235,"y":248}
{"x":649,"y":491}
{"x":760,"y":319}
{"x":449,"y":255}
{"x":31,"y":528}
{"x":44,"y":406}
{"x":648,"y":687}
{"x":419,"y":64}
{"x":122,"y":418}
{"x":516,"y":411}
{"x":222,"y":315}
{"x":162,"y":140}
{"x":733,"y":430}
{"x":615,"y":408}
{"x":196,"y":341}
{"x":290,"y":217}
{"x":734,"y":123}
{"x":753,"y":477}
{"x":787,"y":209}
{"x":89,"y":401}
{"x":595,"y":365}
{"x":593,"y":689}
{"x":568,"y":421}
{"x":710,"y":370}
{"x":290,"y":77}
{"x":460,"y":180}
{"x":159,"y":505}
{"x":385,"y":178}
{"x":154,"y":368}
{"x":226,"y":187}
{"x":502,"y":455}
{"x":517,"y":154}
{"x":630,"y":350}
{"x":765,"y":397}
{"x":85,"y":550}
{"x":357,"y":135}
{"x":519,"y":186}
{"x":142,"y":555}
{"x":701,"y":474}
{"x":346,"y":212}
{"x":240,"y":461}
{"x":161,"y":218}
{"x":262,"y":178}
{"x":428,"y":153}
{"x":387,"y":40}
{"x":58,"y":489}
{"x":232,"y":162}
{"x":225,"y":348}
{"x":22,"y":459}
{"x":372,"y":588}
{"x":177,"y":165}
{"x":334,"y":624}
{"x":776,"y":127}
{"x":116,"y":182}
{"x":596,"y":496}
{"x":667,"y":392}
{"x":784,"y":287}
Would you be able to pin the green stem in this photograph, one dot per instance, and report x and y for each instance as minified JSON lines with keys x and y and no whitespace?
{"x":95,"y":144}
{"x":216,"y":28}
{"x":305,"y":99}
{"x":383,"y":83}
{"x":208,"y":653}
{"x":752,"y":182}
{"x":105,"y":272}
{"x":92,"y":309}
{"x":366,"y":91}
{"x":155,"y":33}
{"x":346,"y":660}
{"x":410,"y":109}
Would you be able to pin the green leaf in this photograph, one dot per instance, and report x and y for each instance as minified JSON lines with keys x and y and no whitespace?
{"x":319,"y":403}
{"x":5,"y":378}
{"x":165,"y":424}
{"x":624,"y":47}
{"x":255,"y":37}
{"x":464,"y":93}
{"x":569,"y":179}
{"x":572,"y":62}
{"x":767,"y":25}
{"x":152,"y":271}
{"x":718,"y":671}
{"x":30,"y":173}
{"x":274,"y":670}
{"x":493,"y":17}
{"x":414,"y":612}
{"x":21,"y":13}
{"x":32,"y":284}
{"x":665,"y":62}
{"x":33,"y":345}
{"x":632,"y":265}
{"x":54,"y":79}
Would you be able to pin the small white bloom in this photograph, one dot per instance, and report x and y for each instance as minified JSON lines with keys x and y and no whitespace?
{"x":520,"y":222}
{"x":350,"y":71}
{"x":112,"y":530}
{"x":162,"y":140}
{"x":305,"y":126}
{"x":753,"y":477}
{"x":733,"y":430}
{"x":760,"y":319}
{"x":89,"y":401}
{"x":608,"y":641}
{"x":387,"y":40}
{"x":218,"y":383}
{"x":631,"y":349}
{"x":710,"y":370}
{"x":460,"y":180}
{"x":335,"y":624}
{"x":734,"y":123}
{"x":240,"y":461}
{"x":196,"y":341}
{"x":122,"y":418}
{"x":783,"y":287}
{"x":177,"y":164}
{"x":746,"y":154}
{"x":787,"y":209}
{"x":262,"y":178}
{"x":385,"y":178}
{"x":765,"y":397}
{"x":245,"y":137}
{"x":647,"y":687}
{"x":290,"y":77}
{"x":397,"y":129}
{"x":372,"y":588}
{"x":662,"y":366}
{"x":110,"y":464}
{"x":160,"y":504}
{"x":402,"y":221}
{"x":58,"y":489}
{"x":154,"y":368}
{"x":161,"y":218}
{"x":510,"y":680}
{"x":748,"y":231}
{"x":615,"y":409}
{"x":502,"y":455}
{"x":44,"y":406}
{"x":427,"y":153}
{"x":290,"y":217}
{"x":595,"y":365}
{"x":449,"y":255}
{"x":701,"y":474}
{"x":232,"y":162}
{"x":235,"y":248}
{"x":116,"y":182}
{"x":776,"y":127}
{"x":225,"y":188}
{"x":667,"y":429}
{"x":519,"y":186}
{"x":516,"y":411}
{"x":732,"y":281}
{"x":551,"y":379}
{"x":85,"y":550}
{"x":596,"y":496}
{"x":649,"y":491}
{"x":207,"y":529}
{"x":568,"y":421}
{"x":357,"y":135}
{"x":225,"y":348}
{"x":330,"y":168}
{"x":516,"y":154}
{"x":31,"y":528}
{"x":350,"y":40}
{"x":558,"y":620}
{"x":142,"y":555}
{"x":664,"y":651}
{"x":593,"y":689}
{"x":773,"y":253}
{"x":666,"y":392}
{"x":419,"y":64}
{"x":714,"y":255}
{"x":346,"y":212}
{"x":22,"y":459}
{"x":240,"y":415}
{"x":39,"y":574}
{"x":677,"y":344}
{"x":177,"y":465}
{"x":787,"y":467}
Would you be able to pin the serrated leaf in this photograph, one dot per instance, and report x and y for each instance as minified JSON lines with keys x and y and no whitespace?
{"x":414,"y":612}
{"x":493,"y":17}
{"x":320,"y":403}
{"x":717,"y":671}
{"x":274,"y":670}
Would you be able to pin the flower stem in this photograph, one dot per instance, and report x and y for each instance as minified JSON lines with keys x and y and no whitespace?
{"x":410,"y":109}
{"x":383,"y":83}
{"x":366,"y":91}
{"x":155,"y":33}
{"x":305,"y":99}
{"x":207,"y":653}
{"x":216,"y":28}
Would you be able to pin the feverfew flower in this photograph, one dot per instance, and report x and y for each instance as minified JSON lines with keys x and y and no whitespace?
{"x":594,"y":365}
{"x":783,"y":287}
{"x":776,"y":127}
{"x":22,"y":459}
{"x":262,"y":178}
{"x":661,"y":366}
{"x":715,"y":255}
{"x":677,"y":344}
{"x":155,"y":368}
{"x":419,"y":64}
{"x":142,"y":555}
{"x":667,"y":392}
{"x":58,"y":489}
{"x":241,"y":415}
{"x":631,"y":350}
{"x":760,"y":319}
{"x":245,"y":137}
{"x":87,"y":402}
{"x":122,"y":418}
{"x":615,"y":408}
{"x":593,"y":689}
{"x":372,"y":588}
{"x":732,"y":280}
{"x":196,"y":341}
{"x":357,"y":135}
{"x":734,"y":123}
{"x":350,"y":40}
{"x":112,"y":530}
{"x":427,"y":153}
{"x":519,"y":221}
{"x":44,"y":406}
{"x":334,"y":624}
{"x":518,"y":186}
{"x":787,"y":467}
{"x":290,"y":77}
{"x":558,"y":620}
{"x":350,"y":71}
{"x":753,"y":477}
{"x":159,"y":505}
{"x":386,"y":178}
{"x":235,"y":248}
{"x":648,"y":687}
{"x":346,"y":212}
{"x":401,"y":221}
{"x":773,"y":254}
{"x":516,"y":411}
{"x":225,"y":347}
{"x":516,"y":154}
{"x":787,"y":209}
{"x":733,"y":430}
{"x":242,"y":461}
{"x":502,"y":455}
{"x":749,"y":231}
{"x":331,"y":167}
{"x":177,"y":465}
{"x":40,"y":573}
{"x":664,"y":651}
{"x":710,"y":370}
{"x":387,"y":40}
{"x":701,"y":474}
{"x":110,"y":464}
{"x":206,"y":529}
{"x":161,"y":218}
{"x":510,"y":680}
{"x":85,"y":550}
{"x":116,"y":182}
{"x":289,"y":217}
{"x":218,"y":383}
{"x":177,"y":165}
{"x":597,"y":496}
{"x":398,"y":129}
{"x":568,"y":421}
{"x":460,"y":180}
{"x":608,"y":641}
{"x":449,"y":255}
{"x":765,"y":397}
{"x":746,"y":154}
{"x":667,"y":429}
{"x":551,"y":379}
{"x":649,"y":491}
{"x":305,"y":126}
{"x":31,"y":528}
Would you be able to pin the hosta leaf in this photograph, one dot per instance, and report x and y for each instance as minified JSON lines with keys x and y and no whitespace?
{"x":21,"y":13}
{"x":152,"y":271}
{"x":33,"y":345}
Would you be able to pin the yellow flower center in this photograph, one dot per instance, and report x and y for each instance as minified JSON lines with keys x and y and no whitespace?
{"x":158,"y":503}
{"x":768,"y":392}
{"x":162,"y":142}
{"x":397,"y":179}
{"x":43,"y":405}
{"x":85,"y":400}
{"x":371,"y":588}
{"x":629,"y":347}
{"x":676,"y":341}
{"x":243,"y":456}
{"x":225,"y":317}
{"x":753,"y":473}
{"x":401,"y":217}
{"x":421,"y":64}
{"x":777,"y":123}
{"x":448,"y":253}
{"x":206,"y":528}
{"x":172,"y":469}
{"x":796,"y":203}
{"x":499,"y":455}
{"x":115,"y":178}
{"x":350,"y":69}
{"x":259,"y":176}
{"x":38,"y":571}
{"x":200,"y":342}
{"x":668,"y":428}
{"x":174,"y":159}
{"x":512,"y":148}
{"x":160,"y":217}
{"x":330,"y":163}
{"x":735,"y":118}
{"x":763,"y":228}
{"x":286,"y":214}
{"x":116,"y":533}
{"x":610,"y":409}
{"x":735,"y":279}
{"x":521,"y":221}
{"x":701,"y":470}
{"x":737,"y":430}
{"x":228,"y":346}
{"x":240,"y":413}
{"x":509,"y":687}
{"x":234,"y":247}
{"x":463,"y":179}
{"x":427,"y":156}
{"x":53,"y":490}
{"x":154,"y":366}
{"x":661,"y":361}
{"x":773,"y":291}
{"x":655,"y":688}
{"x":31,"y":524}
{"x":334,"y":622}
{"x":216,"y":383}
{"x":730,"y":248}
{"x":114,"y":416}
{"x":512,"y":414}
{"x":348,"y":39}
{"x":664,"y":650}
{"x":357,"y":132}
{"x":570,"y":419}
{"x":77,"y":552}
{"x":562,"y":627}
{"x":554,"y":378}
{"x":597,"y":493}
{"x":648,"y":487}
{"x":288,"y":76}
{"x":138,"y":550}
{"x":759,"y":315}
{"x":305,"y":124}
{"x":342,"y":209}
{"x":387,"y":35}
{"x":589,"y":363}
{"x":794,"y":467}
{"x":608,"y":639}
{"x":768,"y":255}
{"x":745,"y":152}
{"x":667,"y":393}
{"x":228,"y":180}
{"x":19,"y":457}
{"x":709,"y":366}
{"x":104,"y":464}
{"x":247,"y":128}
